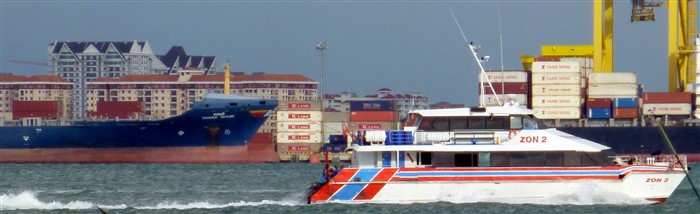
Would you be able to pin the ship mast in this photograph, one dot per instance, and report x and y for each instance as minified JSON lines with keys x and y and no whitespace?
{"x":227,"y":74}
{"x":474,"y":48}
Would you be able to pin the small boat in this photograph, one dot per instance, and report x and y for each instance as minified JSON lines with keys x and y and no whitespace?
{"x":494,"y":154}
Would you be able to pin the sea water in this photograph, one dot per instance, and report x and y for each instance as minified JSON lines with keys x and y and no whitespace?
{"x":255,"y":188}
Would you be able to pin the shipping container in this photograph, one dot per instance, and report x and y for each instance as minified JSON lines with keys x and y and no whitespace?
{"x":666,"y":109}
{"x":598,"y":103}
{"x":335,"y":116}
{"x":372,"y":105}
{"x":556,"y":101}
{"x":612,"y":78}
{"x":625,"y":102}
{"x":556,"y":90}
{"x":612,"y":90}
{"x":299,"y":116}
{"x":300,"y":105}
{"x":309,"y":137}
{"x":557,"y":112}
{"x":297,"y":148}
{"x":286,"y":126}
{"x":625,"y":113}
{"x":373,"y":116}
{"x":505,"y":76}
{"x":599,"y":113}
{"x":333,"y":148}
{"x":116,"y":106}
{"x":35,"y":106}
{"x":506,"y":88}
{"x":21,"y":114}
{"x":667,"y":97}
{"x":490,"y":99}
{"x":559,"y":67}
{"x":332,"y":126}
{"x":556,"y":78}
{"x":355,"y":126}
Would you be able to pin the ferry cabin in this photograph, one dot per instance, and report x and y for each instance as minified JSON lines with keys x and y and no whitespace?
{"x":478,"y":137}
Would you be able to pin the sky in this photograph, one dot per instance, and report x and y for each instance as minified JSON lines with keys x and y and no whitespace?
{"x":407,"y":46}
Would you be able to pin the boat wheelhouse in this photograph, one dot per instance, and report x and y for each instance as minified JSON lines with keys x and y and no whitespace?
{"x":493,"y":154}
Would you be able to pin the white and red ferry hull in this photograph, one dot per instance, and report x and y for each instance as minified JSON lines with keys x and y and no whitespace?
{"x":490,"y":184}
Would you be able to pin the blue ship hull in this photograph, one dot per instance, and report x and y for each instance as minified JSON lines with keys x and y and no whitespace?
{"x":216,"y":121}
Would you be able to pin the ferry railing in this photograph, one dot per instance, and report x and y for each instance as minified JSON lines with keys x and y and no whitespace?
{"x":460,"y":137}
{"x":658,"y":160}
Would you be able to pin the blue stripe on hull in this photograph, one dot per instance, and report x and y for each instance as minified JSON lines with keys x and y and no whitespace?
{"x":349,"y":191}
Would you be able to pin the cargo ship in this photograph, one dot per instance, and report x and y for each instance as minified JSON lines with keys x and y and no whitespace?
{"x":216,"y":129}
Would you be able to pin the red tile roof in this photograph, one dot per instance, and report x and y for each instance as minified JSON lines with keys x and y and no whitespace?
{"x":35,"y":78}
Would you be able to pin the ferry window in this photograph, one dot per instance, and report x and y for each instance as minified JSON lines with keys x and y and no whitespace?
{"x":426,"y":124}
{"x":555,"y":159}
{"x":484,"y":159}
{"x":477,"y":123}
{"x":500,"y":159}
{"x":516,"y":123}
{"x":587,"y":160}
{"x":457,"y":123}
{"x":536,"y":159}
{"x":444,"y":159}
{"x":518,"y":159}
{"x":441,"y":124}
{"x":529,"y":123}
{"x":466,"y":160}
{"x":426,"y":158}
{"x":496,"y":123}
{"x":572,"y":159}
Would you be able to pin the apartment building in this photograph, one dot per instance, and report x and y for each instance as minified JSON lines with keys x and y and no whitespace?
{"x":17,"y":94}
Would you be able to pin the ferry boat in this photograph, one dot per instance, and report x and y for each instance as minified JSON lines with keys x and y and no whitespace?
{"x":493,"y":154}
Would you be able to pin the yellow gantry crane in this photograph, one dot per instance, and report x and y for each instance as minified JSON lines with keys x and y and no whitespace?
{"x":682,"y":29}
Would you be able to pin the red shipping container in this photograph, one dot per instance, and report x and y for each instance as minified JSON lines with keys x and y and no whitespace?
{"x":625,"y":113}
{"x":667,"y":97}
{"x":547,"y":59}
{"x":599,"y":103}
{"x":112,"y":106}
{"x":34,"y":106}
{"x":506,"y":88}
{"x":372,"y":116}
{"x":42,"y":114}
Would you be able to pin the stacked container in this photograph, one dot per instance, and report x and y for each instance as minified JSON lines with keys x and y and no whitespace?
{"x":298,"y":129}
{"x":667,"y":103}
{"x":625,"y":108}
{"x":510,"y":86}
{"x":556,"y":90}
{"x":372,"y":115}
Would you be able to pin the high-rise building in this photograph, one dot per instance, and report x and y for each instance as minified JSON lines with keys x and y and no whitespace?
{"x":82,"y":62}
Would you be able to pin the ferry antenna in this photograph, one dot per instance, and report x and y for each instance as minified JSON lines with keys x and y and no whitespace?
{"x":473,"y":46}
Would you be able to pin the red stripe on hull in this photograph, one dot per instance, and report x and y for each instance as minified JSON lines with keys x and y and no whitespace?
{"x":372,"y":189}
{"x":329,"y":188}
{"x":227,"y":154}
{"x":507,"y":178}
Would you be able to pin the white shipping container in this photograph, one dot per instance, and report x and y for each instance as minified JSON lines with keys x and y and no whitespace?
{"x":506,"y":76}
{"x":558,"y":67}
{"x":556,"y":78}
{"x":561,"y":90}
{"x":354,"y":126}
{"x":612,"y":90}
{"x":299,"y":105}
{"x":612,"y":78}
{"x":666,"y":108}
{"x":335,"y":116}
{"x":332,"y":127}
{"x":585,"y":63}
{"x":490,"y":99}
{"x":301,"y":137}
{"x":556,"y":101}
{"x":299,"y":116}
{"x":557,"y":112}
{"x":286,"y":126}
{"x":697,"y":100}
